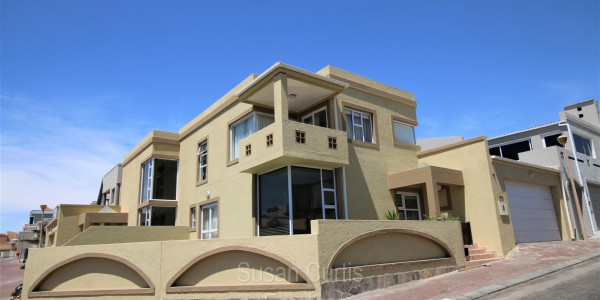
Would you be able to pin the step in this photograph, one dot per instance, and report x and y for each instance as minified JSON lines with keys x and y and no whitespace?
{"x":482,"y":256}
{"x":477,"y":251}
{"x":483,"y":261}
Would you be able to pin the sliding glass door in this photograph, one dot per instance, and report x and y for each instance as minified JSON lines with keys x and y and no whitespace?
{"x":309,"y":192}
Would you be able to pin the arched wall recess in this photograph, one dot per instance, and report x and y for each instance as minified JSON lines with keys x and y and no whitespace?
{"x":92,"y":274}
{"x":213,"y":271}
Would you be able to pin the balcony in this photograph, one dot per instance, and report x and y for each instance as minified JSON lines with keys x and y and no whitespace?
{"x":295,"y":143}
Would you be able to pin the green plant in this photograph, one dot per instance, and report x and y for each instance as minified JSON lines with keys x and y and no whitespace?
{"x":22,"y":267}
{"x":392,"y":215}
{"x":452,"y":218}
{"x":428,"y":218}
{"x":441,"y":217}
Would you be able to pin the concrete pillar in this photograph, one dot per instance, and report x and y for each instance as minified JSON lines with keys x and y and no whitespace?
{"x":280,"y":90}
{"x":433,"y":203}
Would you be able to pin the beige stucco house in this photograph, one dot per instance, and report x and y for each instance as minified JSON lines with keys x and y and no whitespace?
{"x":294,"y":171}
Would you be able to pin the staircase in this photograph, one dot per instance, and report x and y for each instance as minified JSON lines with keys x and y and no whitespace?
{"x":480,"y":255}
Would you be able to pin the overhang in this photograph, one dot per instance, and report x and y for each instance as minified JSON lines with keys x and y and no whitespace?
{"x":307,"y":87}
{"x":426,"y":174}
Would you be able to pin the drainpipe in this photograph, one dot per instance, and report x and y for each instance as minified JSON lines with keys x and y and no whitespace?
{"x":583,"y":185}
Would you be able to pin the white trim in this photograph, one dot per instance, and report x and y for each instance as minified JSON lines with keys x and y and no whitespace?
{"x":200,"y":165}
{"x":362,"y":127}
{"x":543,"y":136}
{"x":403,"y":207}
{"x":312,"y":114}
{"x":290,"y":207}
{"x":211,"y":208}
{"x":584,"y":191}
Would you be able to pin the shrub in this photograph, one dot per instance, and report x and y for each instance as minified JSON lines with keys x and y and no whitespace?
{"x":392,"y":215}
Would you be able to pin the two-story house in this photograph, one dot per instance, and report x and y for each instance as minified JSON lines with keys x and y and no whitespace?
{"x":580,"y":123}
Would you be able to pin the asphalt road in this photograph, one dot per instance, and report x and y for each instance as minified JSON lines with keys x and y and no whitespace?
{"x":10,"y":276}
{"x":581,"y":281}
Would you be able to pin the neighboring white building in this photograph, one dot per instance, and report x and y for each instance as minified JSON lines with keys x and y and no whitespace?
{"x":110,"y":188}
{"x":538,"y":145}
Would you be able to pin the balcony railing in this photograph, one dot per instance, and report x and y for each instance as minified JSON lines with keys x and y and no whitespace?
{"x":294,"y":143}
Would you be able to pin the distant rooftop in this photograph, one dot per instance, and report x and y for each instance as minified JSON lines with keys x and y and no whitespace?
{"x":524,"y":130}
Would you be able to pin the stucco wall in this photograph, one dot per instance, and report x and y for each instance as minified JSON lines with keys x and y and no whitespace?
{"x":238,"y":267}
{"x":68,"y":220}
{"x":472,"y":158}
{"x":128,"y":234}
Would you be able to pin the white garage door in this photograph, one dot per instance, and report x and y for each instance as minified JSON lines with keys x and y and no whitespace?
{"x":532,"y":212}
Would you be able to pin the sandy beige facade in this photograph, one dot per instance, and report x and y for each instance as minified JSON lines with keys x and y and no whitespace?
{"x":294,"y":171}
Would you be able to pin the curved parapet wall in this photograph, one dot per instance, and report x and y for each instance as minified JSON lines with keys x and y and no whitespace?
{"x":92,"y":274}
{"x":252,"y":269}
{"x":387,"y":248}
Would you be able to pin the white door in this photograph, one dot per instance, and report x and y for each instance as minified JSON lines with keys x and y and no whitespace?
{"x":532,"y":212}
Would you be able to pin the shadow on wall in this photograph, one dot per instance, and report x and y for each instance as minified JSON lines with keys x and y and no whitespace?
{"x":357,"y":191}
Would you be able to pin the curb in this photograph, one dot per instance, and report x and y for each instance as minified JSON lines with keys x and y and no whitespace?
{"x":484,"y":291}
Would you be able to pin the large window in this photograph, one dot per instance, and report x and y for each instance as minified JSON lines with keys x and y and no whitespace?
{"x":245,"y":127}
{"x":159,"y":180}
{"x":202,"y":161}
{"x":210,"y":219}
{"x":404,"y":133}
{"x":157,"y":216}
{"x":359,"y":125}
{"x":317,"y":117}
{"x":511,"y":150}
{"x":313,"y":195}
{"x":408,"y":205}
{"x":583,"y":145}
{"x":193,"y":217}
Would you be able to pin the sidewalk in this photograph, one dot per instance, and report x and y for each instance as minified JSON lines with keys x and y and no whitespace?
{"x":10,"y":276}
{"x":523,"y":260}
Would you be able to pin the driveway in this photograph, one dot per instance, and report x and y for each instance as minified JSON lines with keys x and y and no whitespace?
{"x":522,"y":260}
{"x":10,"y":276}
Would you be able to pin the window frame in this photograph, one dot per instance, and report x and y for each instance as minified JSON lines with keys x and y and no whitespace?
{"x":290,"y":198}
{"x":153,"y":158}
{"x":210,"y":204}
{"x":193,"y":217}
{"x":544,"y":136}
{"x":590,"y":143}
{"x":406,"y":122}
{"x":374,"y":126}
{"x":312,"y":114}
{"x":200,"y":181}
{"x":241,"y":118}
{"x":398,"y":208}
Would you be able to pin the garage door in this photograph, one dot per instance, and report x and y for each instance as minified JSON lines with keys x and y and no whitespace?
{"x":595,"y":197}
{"x":532,"y":212}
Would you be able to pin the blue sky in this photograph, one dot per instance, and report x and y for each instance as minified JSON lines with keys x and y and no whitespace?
{"x":83,"y":81}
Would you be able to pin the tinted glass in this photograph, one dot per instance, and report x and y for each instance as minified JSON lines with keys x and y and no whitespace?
{"x":495,"y":151}
{"x":328,"y":182}
{"x":412,"y":215}
{"x":165,"y":179}
{"x":512,"y":151}
{"x":349,"y":128}
{"x":273,"y":203}
{"x":367,"y":128}
{"x":329,"y":198}
{"x":330,"y":214}
{"x":582,"y":145}
{"x":163,"y":216}
{"x":552,"y":140}
{"x":321,"y":118}
{"x":411,"y":202}
{"x":306,"y":196}
{"x":403,"y":133}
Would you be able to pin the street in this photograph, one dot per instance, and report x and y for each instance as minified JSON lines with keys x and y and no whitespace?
{"x":581,"y":281}
{"x":10,"y":276}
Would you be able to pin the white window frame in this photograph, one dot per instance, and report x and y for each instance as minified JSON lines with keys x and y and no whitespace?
{"x":543,"y":136}
{"x":151,"y":180}
{"x":361,"y":125}
{"x":210,"y":207}
{"x":312,"y":114}
{"x":510,"y":143}
{"x":290,"y":200}
{"x":323,"y":190}
{"x":414,"y":138}
{"x":231,"y":137}
{"x":146,"y":213}
{"x":193,"y":217}
{"x":403,"y":207}
{"x":200,"y":165}
{"x":592,"y":150}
